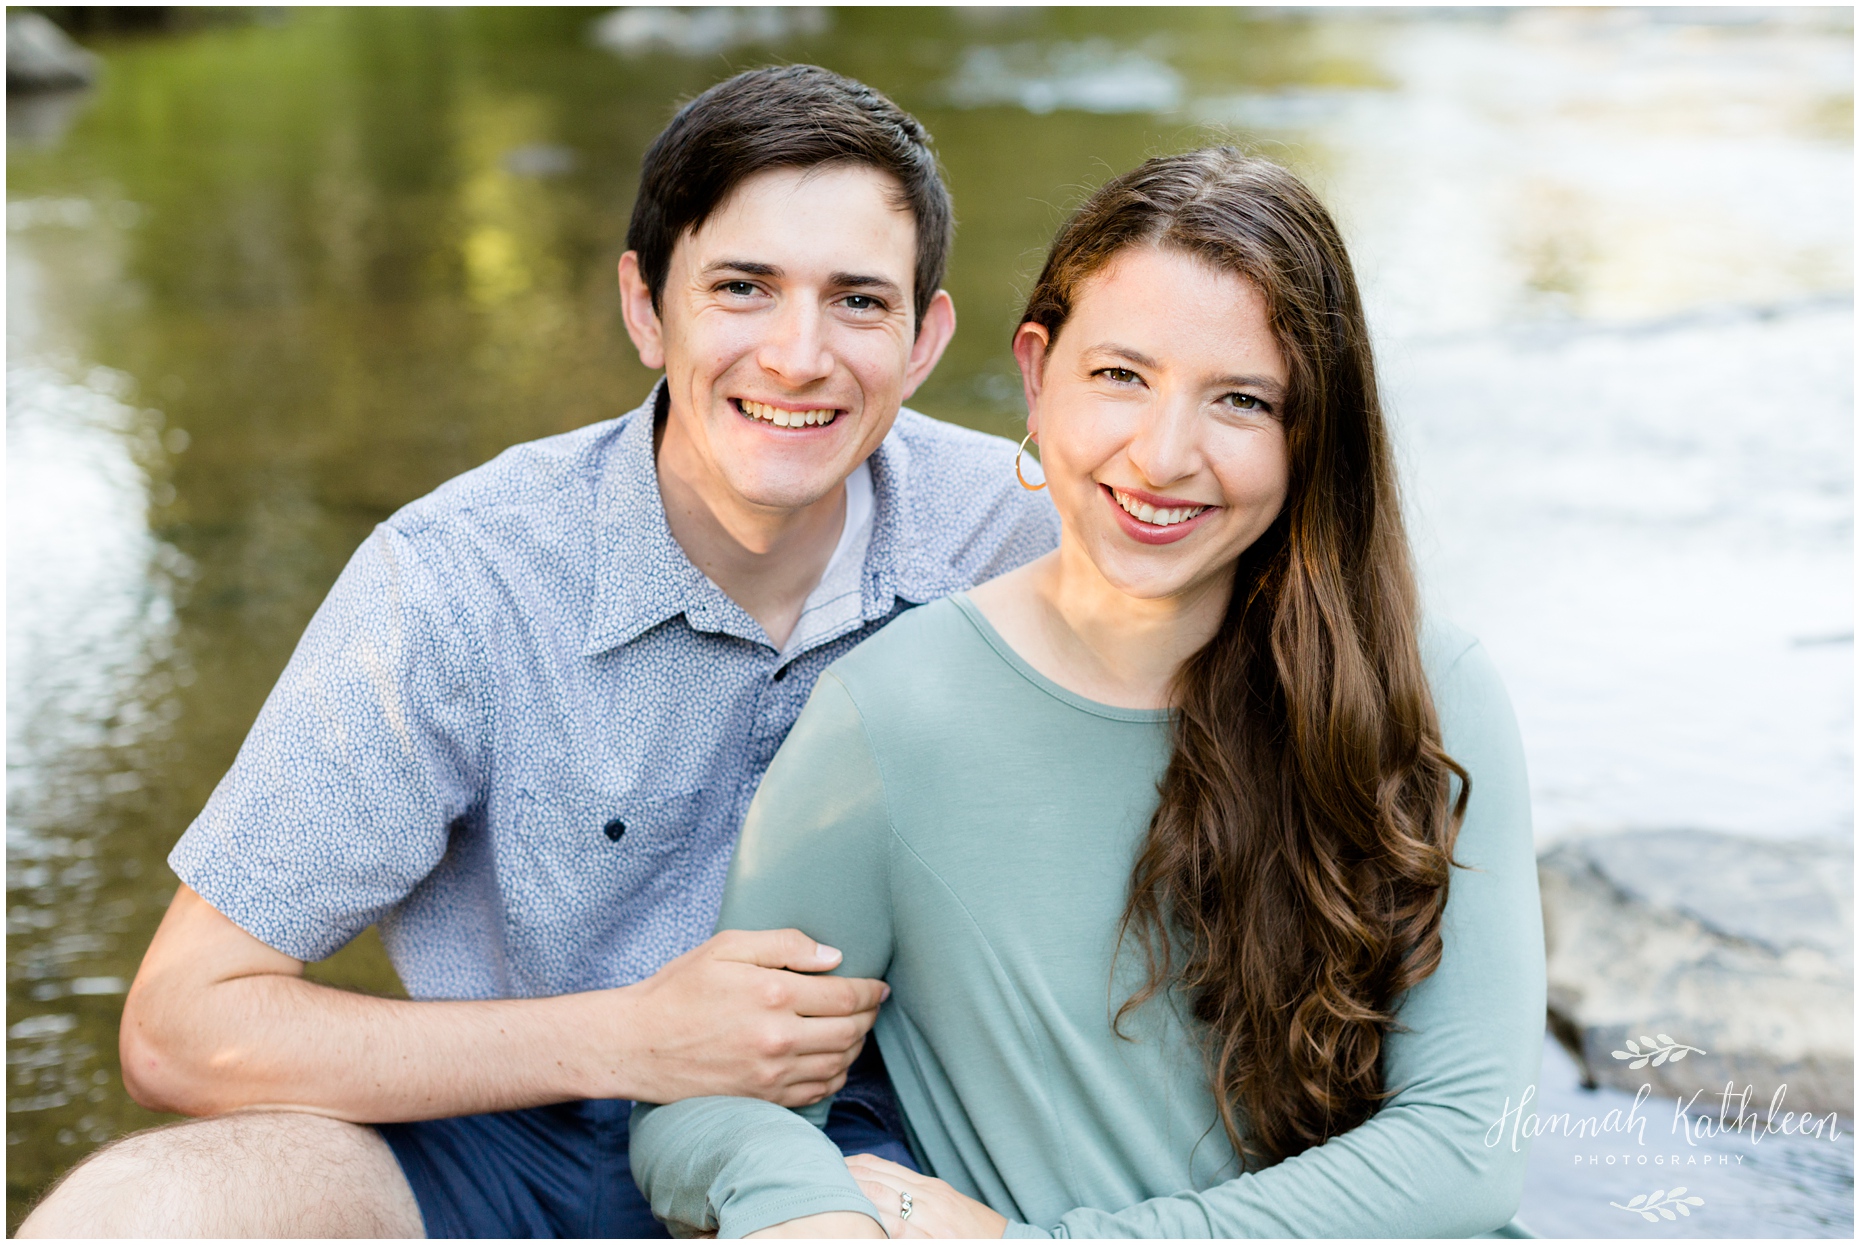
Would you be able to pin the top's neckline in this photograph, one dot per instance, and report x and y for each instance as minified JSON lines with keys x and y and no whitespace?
{"x":1006,"y":653}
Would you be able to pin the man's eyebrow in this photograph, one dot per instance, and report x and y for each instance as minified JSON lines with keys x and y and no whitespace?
{"x":748,"y":266}
{"x":863,"y":281}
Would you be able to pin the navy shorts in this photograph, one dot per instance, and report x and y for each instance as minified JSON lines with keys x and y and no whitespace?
{"x":562,"y":1171}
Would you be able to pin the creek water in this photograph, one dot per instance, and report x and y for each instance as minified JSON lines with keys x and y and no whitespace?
{"x":271,"y":280}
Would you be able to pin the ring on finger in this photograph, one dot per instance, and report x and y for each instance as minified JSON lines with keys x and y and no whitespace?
{"x":904,"y":1206}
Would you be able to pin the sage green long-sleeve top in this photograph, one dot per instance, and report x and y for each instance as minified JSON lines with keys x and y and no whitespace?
{"x":964,"y":828}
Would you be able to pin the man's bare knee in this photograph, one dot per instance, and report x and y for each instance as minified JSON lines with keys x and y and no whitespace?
{"x":249,"y":1174}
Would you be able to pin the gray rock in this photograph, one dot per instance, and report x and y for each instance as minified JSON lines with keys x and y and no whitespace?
{"x":1740,"y":949}
{"x":41,"y":57}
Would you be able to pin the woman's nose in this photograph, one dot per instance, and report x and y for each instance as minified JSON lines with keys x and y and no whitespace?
{"x":1164,"y":446}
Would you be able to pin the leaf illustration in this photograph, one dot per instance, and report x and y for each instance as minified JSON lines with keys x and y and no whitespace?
{"x":1639,"y":1063}
{"x":1665,"y":1040}
{"x":1621,"y":1054}
{"x":1660,"y":1058}
{"x":1647,"y":1041}
{"x":1659,"y":1205}
{"x":1679,"y":1054}
{"x":1632,"y":1047}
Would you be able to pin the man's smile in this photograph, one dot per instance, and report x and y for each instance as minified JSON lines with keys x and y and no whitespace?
{"x":782,"y":417}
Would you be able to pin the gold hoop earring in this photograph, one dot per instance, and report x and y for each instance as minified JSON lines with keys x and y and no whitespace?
{"x":1031,"y":488}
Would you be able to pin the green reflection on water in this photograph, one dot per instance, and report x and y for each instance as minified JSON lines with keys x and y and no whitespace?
{"x":323,"y":284}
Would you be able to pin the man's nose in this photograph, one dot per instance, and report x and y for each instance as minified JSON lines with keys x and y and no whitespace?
{"x":795,"y":350}
{"x":1164,"y":447}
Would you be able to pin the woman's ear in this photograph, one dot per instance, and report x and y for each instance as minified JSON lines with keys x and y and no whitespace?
{"x":1030,"y":343}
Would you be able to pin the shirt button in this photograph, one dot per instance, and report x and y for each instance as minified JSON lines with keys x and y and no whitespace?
{"x":614,"y":829}
{"x":781,"y":674}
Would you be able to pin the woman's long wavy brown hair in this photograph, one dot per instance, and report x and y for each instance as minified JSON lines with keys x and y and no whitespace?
{"x":1292,"y":883}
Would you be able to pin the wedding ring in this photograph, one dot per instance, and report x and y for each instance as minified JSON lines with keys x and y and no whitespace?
{"x":904,"y":1206}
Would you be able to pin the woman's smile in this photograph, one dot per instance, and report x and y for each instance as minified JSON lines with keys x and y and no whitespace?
{"x":1156,"y":520}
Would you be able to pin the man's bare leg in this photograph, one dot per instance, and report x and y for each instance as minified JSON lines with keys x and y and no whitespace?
{"x":267,"y":1174}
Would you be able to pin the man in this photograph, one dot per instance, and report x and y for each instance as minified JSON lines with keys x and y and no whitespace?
{"x":523,"y":729}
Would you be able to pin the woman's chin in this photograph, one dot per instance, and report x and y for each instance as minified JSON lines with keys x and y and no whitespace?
{"x":1140,"y":578}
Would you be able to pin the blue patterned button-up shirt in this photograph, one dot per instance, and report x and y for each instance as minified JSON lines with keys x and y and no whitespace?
{"x":523,"y":730}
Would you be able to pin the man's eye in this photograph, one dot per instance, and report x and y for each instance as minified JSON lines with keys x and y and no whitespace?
{"x":862,"y":302}
{"x":742,"y":289}
{"x":1118,"y":375}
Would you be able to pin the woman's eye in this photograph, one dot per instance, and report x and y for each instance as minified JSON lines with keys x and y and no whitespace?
{"x":1247,"y":402}
{"x":1118,"y":375}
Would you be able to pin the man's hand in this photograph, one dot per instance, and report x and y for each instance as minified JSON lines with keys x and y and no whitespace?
{"x":736,"y":1016}
{"x":217,"y":1021}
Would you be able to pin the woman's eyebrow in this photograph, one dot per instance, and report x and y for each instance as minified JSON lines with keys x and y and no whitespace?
{"x":1249,"y":382}
{"x":1233,"y":380}
{"x":1126,"y":353}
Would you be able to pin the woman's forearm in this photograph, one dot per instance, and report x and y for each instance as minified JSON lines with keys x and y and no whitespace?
{"x":735,"y":1166}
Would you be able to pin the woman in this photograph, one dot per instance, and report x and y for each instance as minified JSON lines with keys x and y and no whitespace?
{"x":1155,"y":839}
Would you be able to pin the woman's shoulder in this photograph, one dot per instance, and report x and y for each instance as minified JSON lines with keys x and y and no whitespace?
{"x":1454,"y":658}
{"x":925,"y":646}
{"x":1469,"y":693}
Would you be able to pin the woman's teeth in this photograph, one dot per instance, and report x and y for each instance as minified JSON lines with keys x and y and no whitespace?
{"x":784,"y":419}
{"x":1146,"y":513}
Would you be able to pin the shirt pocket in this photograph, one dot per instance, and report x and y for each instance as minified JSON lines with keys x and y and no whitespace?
{"x":599,"y":872}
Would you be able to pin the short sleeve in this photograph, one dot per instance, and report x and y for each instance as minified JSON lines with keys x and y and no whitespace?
{"x":366,"y":752}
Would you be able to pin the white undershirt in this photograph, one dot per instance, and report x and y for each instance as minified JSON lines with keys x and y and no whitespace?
{"x":837,"y":598}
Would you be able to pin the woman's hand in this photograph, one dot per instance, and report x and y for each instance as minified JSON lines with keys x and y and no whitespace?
{"x":936,"y":1209}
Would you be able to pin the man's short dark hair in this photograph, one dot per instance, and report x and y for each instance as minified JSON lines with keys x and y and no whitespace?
{"x":788,"y":116}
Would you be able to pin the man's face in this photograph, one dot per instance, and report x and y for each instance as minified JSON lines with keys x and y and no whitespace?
{"x":786,"y":333}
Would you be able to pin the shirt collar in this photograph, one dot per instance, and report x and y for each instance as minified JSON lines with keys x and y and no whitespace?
{"x":643,"y":577}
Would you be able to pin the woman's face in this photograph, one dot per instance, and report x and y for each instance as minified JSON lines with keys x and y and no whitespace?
{"x":1157,"y":415}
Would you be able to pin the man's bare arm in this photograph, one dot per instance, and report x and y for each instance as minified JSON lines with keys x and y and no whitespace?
{"x":218,"y":1021}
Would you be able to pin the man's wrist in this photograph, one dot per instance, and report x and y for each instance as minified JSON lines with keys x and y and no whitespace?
{"x":597,"y":1059}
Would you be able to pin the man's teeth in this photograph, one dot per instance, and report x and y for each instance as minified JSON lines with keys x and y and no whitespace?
{"x":785,"y":419}
{"x":1146,"y":513}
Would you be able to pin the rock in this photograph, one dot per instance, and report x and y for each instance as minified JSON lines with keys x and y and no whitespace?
{"x":1741,"y":949}
{"x":41,"y":57}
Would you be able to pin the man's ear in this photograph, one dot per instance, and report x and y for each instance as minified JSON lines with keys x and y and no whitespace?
{"x":642,"y":322}
{"x":1030,"y":343}
{"x":933,"y":334}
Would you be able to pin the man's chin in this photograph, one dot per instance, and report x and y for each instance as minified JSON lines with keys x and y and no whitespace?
{"x":791,"y":493}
